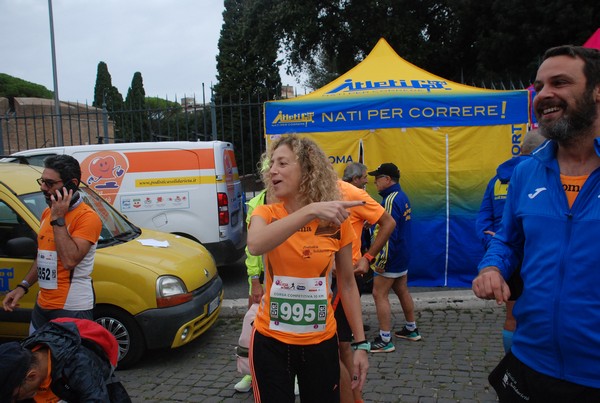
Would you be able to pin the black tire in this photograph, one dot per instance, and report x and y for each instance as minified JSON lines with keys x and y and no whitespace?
{"x":128,"y":334}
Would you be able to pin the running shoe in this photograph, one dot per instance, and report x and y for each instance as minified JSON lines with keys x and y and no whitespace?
{"x":380,"y":346}
{"x":412,"y":335}
{"x":244,"y":385}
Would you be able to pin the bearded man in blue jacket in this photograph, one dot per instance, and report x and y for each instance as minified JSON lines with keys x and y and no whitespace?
{"x":552,"y":223}
{"x":490,"y":215}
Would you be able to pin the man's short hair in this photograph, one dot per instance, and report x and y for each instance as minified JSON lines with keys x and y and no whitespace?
{"x":591,"y":58}
{"x":352,"y":170}
{"x":531,"y":141}
{"x":15,"y":361}
{"x":67,"y":167}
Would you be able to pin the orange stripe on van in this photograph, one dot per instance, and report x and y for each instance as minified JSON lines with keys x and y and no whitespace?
{"x":170,"y":160}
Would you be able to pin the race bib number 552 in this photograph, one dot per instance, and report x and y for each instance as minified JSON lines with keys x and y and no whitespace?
{"x":298,"y":305}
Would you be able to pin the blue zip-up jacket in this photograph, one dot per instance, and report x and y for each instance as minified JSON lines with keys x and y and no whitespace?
{"x":79,"y":374}
{"x":395,"y":254}
{"x":492,"y":204}
{"x":558,"y":314}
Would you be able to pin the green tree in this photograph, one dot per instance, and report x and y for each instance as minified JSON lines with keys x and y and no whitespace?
{"x":247,"y":62}
{"x":508,"y":38}
{"x":456,"y":39}
{"x":103,"y":85}
{"x":107,"y":94}
{"x":136,"y":124}
{"x":163,"y":106}
{"x":337,"y":35}
{"x":11,"y":87}
{"x":248,"y":73}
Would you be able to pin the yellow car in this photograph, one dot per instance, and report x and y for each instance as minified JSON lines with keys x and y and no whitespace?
{"x":153,"y":289}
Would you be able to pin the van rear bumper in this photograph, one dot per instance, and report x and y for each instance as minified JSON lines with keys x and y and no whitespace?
{"x":226,"y":252}
{"x":192,"y":318}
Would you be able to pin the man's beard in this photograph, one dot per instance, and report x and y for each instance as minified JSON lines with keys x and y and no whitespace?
{"x":575,"y":124}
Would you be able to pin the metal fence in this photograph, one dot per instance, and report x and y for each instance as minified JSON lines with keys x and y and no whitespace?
{"x":27,"y":123}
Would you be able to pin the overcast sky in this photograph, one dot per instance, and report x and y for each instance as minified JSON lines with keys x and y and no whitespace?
{"x":173,"y":43}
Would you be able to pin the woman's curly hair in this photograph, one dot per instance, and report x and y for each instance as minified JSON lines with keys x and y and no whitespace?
{"x":318,"y":179}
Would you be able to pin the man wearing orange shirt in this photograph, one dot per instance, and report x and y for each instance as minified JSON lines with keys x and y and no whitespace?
{"x":69,"y":231}
{"x":352,"y":188}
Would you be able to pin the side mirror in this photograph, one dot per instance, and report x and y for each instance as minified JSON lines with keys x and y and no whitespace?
{"x":22,"y":247}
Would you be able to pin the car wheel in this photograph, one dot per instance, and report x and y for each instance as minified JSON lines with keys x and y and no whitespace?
{"x":126,"y":331}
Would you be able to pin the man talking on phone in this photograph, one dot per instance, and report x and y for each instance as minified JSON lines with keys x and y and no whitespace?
{"x":69,"y":231}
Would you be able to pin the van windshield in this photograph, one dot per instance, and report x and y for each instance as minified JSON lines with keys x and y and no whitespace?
{"x":115,"y":228}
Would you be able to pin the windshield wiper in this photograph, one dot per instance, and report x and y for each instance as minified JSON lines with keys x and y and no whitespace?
{"x":126,"y":236}
{"x":108,"y":242}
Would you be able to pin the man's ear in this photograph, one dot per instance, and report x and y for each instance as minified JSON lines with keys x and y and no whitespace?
{"x":33,"y":376}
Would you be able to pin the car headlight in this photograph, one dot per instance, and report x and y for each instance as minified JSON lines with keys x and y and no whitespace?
{"x":171,"y":291}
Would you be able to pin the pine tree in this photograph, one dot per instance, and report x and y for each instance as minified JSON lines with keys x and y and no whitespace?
{"x":106,"y":94}
{"x":135,"y":102}
{"x":103,"y":85}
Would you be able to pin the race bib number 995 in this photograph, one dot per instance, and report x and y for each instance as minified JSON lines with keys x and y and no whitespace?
{"x":298,"y":305}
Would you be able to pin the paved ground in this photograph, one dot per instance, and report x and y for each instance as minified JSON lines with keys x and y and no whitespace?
{"x":461,"y":344}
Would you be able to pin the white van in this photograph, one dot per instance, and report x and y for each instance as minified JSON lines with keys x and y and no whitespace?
{"x":187,"y":188}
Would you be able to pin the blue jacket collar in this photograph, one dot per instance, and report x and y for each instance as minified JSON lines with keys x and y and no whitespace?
{"x":394,"y":188}
{"x":546,"y":153}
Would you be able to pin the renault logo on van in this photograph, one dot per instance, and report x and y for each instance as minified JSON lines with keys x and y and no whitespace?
{"x":206,"y":273}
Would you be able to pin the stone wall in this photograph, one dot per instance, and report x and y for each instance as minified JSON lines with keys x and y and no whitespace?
{"x":31,"y":123}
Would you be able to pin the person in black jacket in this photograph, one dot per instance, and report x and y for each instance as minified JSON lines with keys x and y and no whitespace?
{"x":68,"y":359}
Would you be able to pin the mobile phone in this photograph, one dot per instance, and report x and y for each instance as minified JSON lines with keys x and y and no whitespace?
{"x":71,"y":186}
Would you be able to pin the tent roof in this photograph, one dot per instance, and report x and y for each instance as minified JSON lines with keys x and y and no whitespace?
{"x":383,"y":72}
{"x":593,"y":41}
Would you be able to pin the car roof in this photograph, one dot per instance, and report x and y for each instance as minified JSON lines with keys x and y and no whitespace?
{"x":20,"y":178}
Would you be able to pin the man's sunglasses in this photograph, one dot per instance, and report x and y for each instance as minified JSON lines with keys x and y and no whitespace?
{"x":47,"y":182}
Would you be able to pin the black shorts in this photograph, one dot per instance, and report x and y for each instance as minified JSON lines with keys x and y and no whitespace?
{"x":516,"y":382}
{"x":344,"y":331}
{"x":343,"y":327}
{"x":515,"y":284}
{"x":40,"y":316}
{"x":275,"y":364}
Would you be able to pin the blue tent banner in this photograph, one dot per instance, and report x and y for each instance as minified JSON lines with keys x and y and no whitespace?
{"x":393,"y":111}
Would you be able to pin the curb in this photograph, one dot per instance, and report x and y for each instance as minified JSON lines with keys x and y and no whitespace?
{"x":431,"y":300}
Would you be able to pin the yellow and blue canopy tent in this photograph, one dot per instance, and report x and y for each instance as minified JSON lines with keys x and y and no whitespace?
{"x":446,"y":138}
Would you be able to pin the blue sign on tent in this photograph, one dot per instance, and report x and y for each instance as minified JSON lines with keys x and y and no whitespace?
{"x":394,"y":111}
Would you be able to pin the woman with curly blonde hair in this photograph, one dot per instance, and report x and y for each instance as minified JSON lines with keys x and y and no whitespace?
{"x":301,"y":237}
{"x":318,"y":182}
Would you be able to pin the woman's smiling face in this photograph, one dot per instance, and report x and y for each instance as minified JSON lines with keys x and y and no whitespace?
{"x":285,"y":173}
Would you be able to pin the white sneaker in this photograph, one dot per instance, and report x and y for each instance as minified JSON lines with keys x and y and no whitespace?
{"x":296,"y":387}
{"x":244,"y":385}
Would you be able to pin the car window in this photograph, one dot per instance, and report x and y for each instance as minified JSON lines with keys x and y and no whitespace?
{"x":113,"y":223}
{"x":37,"y":160}
{"x":12,"y":226}
{"x":35,"y":202}
{"x":115,"y":228}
